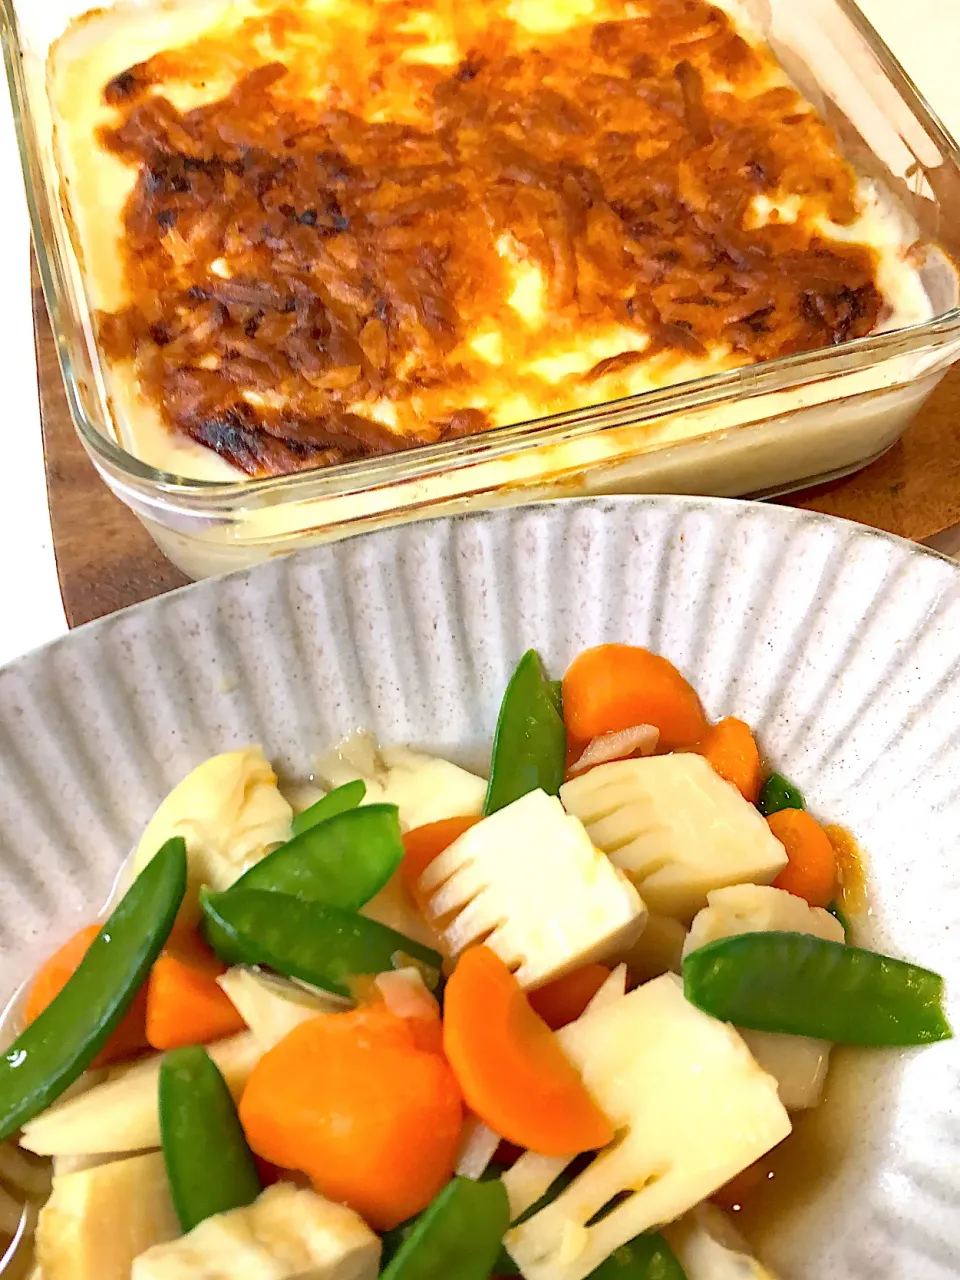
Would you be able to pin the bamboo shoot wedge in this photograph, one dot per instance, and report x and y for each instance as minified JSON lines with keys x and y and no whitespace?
{"x":798,"y":1063}
{"x":676,"y":828}
{"x":692,"y":1109}
{"x":528,"y":882}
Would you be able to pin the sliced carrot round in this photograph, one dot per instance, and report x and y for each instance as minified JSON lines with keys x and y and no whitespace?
{"x":350,"y":1100}
{"x":425,"y":843}
{"x":730,"y":748}
{"x":615,"y":686}
{"x":510,"y":1066}
{"x":128,"y":1040}
{"x":811,"y":872}
{"x":562,"y":1001}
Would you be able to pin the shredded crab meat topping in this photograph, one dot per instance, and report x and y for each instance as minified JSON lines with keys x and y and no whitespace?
{"x":408,"y":222}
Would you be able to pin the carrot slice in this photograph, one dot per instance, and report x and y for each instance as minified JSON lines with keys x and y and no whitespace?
{"x":616,"y":686}
{"x":730,"y":748}
{"x":425,"y":843}
{"x":510,"y":1066}
{"x":53,"y":974}
{"x":188,"y":946}
{"x":128,"y":1040}
{"x":811,"y":872}
{"x":350,"y":1100}
{"x":563,"y":1000}
{"x":184,"y":1003}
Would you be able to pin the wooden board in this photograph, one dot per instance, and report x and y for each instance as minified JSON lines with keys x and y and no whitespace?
{"x":106,"y":559}
{"x":914,"y":489}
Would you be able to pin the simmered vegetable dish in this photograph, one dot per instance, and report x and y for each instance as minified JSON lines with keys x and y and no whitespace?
{"x":431,"y":1027}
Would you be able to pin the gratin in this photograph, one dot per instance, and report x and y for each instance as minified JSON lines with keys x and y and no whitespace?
{"x":319,"y":232}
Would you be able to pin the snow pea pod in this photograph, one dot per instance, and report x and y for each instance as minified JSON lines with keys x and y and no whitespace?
{"x":312,"y":941}
{"x":555,"y":690}
{"x":777,"y":793}
{"x":647,"y":1257}
{"x":530,"y":745}
{"x":803,"y":986}
{"x":390,"y":1242}
{"x":337,"y":801}
{"x":210,"y":1168}
{"x":342,"y":861}
{"x":59,"y":1046}
{"x":457,"y":1237}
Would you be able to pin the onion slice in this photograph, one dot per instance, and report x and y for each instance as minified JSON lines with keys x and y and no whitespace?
{"x":406,"y":995}
{"x":617,"y":746}
{"x":478,"y":1146}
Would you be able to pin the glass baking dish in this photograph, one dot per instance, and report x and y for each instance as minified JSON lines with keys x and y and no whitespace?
{"x":757,"y":430}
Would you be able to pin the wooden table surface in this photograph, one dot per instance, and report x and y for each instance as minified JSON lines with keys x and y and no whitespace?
{"x":105,"y":557}
{"x":107,"y":560}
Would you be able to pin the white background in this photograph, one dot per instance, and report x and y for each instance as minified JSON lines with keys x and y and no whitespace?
{"x":924,"y":34}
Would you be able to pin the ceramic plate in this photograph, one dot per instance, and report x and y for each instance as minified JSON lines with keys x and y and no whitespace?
{"x":839,"y":644}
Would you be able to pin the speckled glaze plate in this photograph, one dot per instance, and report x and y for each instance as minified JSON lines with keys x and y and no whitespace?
{"x":841,"y":645}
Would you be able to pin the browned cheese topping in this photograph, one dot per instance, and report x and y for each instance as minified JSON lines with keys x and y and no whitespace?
{"x":318,"y":274}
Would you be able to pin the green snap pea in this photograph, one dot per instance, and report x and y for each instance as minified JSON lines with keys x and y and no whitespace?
{"x":312,"y":941}
{"x":210,"y":1168}
{"x":555,"y":690}
{"x":777,"y":793}
{"x":342,"y":861}
{"x":647,"y":1257}
{"x":338,"y":801}
{"x":530,"y":745}
{"x":803,"y":986}
{"x":457,"y":1237}
{"x":391,"y":1241}
{"x":59,"y":1046}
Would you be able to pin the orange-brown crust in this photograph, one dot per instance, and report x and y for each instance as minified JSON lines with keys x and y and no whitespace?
{"x":322,"y":259}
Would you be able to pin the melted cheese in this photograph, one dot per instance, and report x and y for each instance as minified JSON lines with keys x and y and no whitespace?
{"x":103,"y":44}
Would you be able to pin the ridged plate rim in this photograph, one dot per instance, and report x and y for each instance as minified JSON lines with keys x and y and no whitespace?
{"x":840,"y":643}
